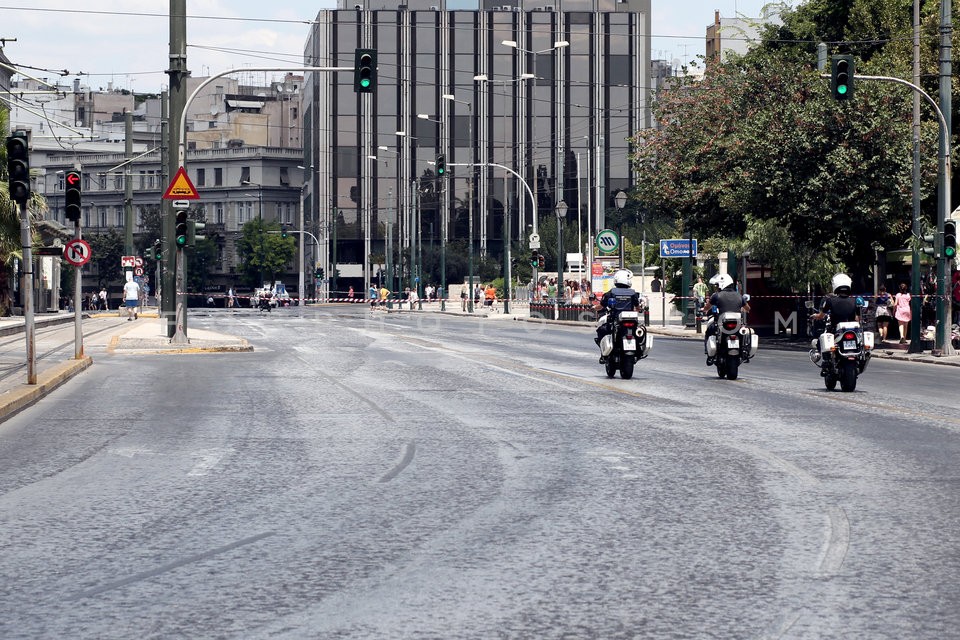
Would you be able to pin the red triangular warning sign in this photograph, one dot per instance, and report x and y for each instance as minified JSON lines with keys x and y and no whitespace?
{"x":181,"y":188}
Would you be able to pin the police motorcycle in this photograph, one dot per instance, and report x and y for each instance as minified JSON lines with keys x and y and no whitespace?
{"x":731,"y":343}
{"x":626,"y":340}
{"x":843,"y":351}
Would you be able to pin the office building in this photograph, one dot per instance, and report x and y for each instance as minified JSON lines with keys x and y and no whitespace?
{"x":556,"y":107}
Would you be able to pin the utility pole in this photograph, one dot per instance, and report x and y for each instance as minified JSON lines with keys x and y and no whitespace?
{"x":127,"y":184}
{"x":943,"y":344}
{"x":173,"y":300}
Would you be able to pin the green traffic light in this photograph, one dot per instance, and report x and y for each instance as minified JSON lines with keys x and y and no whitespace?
{"x":365,"y":82}
{"x":181,"y":241}
{"x":950,"y":252}
{"x":842,"y":89}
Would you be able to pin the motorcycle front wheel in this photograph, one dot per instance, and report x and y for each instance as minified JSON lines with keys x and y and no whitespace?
{"x":830,"y":382}
{"x":721,"y":368}
{"x":848,"y":376}
{"x":626,"y":368}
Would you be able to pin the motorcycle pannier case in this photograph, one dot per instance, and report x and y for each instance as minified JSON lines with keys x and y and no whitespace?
{"x":826,"y":342}
{"x":606,"y":345}
{"x":712,"y":346}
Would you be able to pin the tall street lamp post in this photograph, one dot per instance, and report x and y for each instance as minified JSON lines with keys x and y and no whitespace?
{"x":260,"y":218}
{"x":451,"y":98}
{"x":561,"y":214}
{"x":443,"y":228}
{"x":507,"y":258}
{"x":621,"y":200}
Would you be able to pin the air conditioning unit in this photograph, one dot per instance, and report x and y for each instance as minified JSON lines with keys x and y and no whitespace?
{"x":550,"y":7}
{"x":517,"y":9}
{"x":538,"y":8}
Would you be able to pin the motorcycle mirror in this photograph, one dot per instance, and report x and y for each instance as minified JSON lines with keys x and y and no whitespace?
{"x":808,"y":304}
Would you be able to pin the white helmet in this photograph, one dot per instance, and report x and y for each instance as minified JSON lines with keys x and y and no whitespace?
{"x":841,"y":281}
{"x":722,"y":280}
{"x":623,"y":278}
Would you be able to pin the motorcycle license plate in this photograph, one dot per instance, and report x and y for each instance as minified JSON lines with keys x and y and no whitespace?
{"x":629,"y":345}
{"x":849,"y":345}
{"x":733,"y":343}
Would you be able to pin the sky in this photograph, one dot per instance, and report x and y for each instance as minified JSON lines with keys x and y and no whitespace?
{"x":124,"y":43}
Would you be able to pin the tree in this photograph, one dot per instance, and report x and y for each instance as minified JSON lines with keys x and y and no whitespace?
{"x":106,"y":250}
{"x":760,"y":141}
{"x":263,"y":252}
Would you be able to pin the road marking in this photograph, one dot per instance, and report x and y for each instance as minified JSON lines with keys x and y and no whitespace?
{"x":208,"y":460}
{"x":838,"y":541}
{"x":409,"y":450}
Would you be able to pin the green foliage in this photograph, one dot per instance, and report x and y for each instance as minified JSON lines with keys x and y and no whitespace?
{"x":758,"y":151}
{"x":106,"y":251}
{"x":263,"y":252}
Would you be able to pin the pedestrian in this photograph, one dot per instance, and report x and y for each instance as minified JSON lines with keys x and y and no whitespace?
{"x":414,"y":298}
{"x":131,"y":298}
{"x":230,"y":298}
{"x":350,"y":293}
{"x":373,"y":295}
{"x":428,"y":292}
{"x":463,"y":299}
{"x":655,"y":285}
{"x":489,"y":296}
{"x":103,"y":299}
{"x":883,"y":312}
{"x":700,"y":291}
{"x":384,"y":293}
{"x":902,"y":311}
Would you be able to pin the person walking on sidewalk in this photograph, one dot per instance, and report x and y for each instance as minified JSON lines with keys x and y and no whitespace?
{"x":131,"y":298}
{"x":902,"y":311}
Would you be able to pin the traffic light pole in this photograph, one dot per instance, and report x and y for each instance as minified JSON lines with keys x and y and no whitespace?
{"x":942,"y":344}
{"x":29,"y":328}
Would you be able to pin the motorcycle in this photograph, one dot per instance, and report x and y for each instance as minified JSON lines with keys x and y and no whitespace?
{"x":842,"y":354}
{"x":732,"y":344}
{"x":627,"y":343}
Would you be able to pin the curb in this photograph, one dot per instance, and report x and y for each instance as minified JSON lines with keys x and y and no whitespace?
{"x":15,"y":400}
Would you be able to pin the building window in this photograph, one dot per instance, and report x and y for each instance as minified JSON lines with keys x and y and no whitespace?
{"x":244,"y":174}
{"x":218,"y":208}
{"x":120,"y":216}
{"x":143,"y":179}
{"x":102,"y":181}
{"x":201,"y":177}
{"x":118,"y":182}
{"x":102,"y":216}
{"x":284,"y":177}
{"x":218,"y":177}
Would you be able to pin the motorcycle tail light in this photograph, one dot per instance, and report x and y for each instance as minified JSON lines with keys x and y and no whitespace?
{"x":849,"y":335}
{"x":730,"y":325}
{"x":629,"y":325}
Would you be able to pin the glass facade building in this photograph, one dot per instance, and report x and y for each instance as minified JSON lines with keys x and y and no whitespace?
{"x":556,"y":108}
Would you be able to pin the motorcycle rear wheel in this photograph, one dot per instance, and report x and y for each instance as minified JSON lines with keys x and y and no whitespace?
{"x":733,"y":368}
{"x":626,"y":368}
{"x":848,"y":377}
{"x":611,"y":367}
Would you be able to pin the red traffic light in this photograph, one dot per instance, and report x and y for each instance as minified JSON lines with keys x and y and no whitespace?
{"x":73,"y":178}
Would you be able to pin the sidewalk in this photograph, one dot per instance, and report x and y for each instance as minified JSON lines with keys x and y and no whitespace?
{"x":142,"y":336}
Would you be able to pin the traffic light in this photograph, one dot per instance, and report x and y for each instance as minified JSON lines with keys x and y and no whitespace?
{"x":842,"y":69}
{"x":949,"y":239}
{"x":365,"y":70}
{"x":534,"y":259}
{"x":18,"y":167}
{"x":192,"y":227}
{"x":318,"y":273}
{"x":181,"y":233}
{"x":441,"y":165}
{"x":72,"y":201}
{"x":157,"y":250}
{"x":929,"y":239}
{"x":283,"y":231}
{"x":541,"y":263}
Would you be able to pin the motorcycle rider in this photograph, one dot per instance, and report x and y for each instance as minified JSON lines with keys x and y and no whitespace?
{"x":726,"y":299}
{"x":841,"y":307}
{"x":621,"y":297}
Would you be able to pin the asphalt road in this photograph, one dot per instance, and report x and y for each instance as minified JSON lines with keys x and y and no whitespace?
{"x":427,"y":476}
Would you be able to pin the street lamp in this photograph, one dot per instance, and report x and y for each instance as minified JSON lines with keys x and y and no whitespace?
{"x":451,"y":98}
{"x":443,"y":233}
{"x":507,"y":258}
{"x":620,"y":200}
{"x":561,"y":210}
{"x":260,"y":218}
